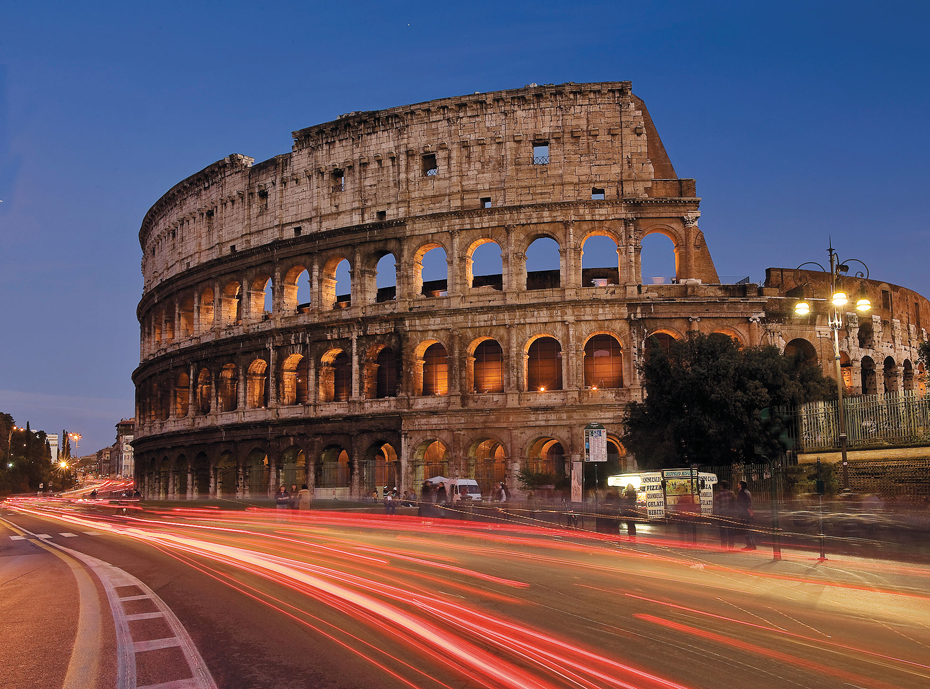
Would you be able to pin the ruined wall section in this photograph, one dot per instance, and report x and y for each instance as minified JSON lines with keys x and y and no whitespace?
{"x":373,"y":166}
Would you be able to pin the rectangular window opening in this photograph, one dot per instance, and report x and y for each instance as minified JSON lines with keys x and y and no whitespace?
{"x":486,"y":202}
{"x":382,"y":215}
{"x":886,"y":299}
{"x":297,"y":231}
{"x":232,"y":248}
{"x":597,"y":194}
{"x":430,"y":166}
{"x":540,"y":153}
{"x":339,"y":180}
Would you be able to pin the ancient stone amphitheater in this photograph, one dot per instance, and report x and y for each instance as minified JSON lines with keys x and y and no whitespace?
{"x":265,"y":362}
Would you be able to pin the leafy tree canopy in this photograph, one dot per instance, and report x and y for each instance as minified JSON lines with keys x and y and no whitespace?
{"x":703,"y":398}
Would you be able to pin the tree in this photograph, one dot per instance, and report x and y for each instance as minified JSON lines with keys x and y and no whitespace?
{"x":703,"y":398}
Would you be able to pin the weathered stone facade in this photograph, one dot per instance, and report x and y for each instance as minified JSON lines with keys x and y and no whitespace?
{"x":471,"y":375}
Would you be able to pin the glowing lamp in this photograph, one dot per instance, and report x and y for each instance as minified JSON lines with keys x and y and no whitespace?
{"x":542,"y":389}
{"x":863,"y":304}
{"x":839,"y":299}
{"x":802,"y":308}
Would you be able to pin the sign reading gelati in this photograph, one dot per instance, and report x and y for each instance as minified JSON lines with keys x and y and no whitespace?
{"x":595,"y":443}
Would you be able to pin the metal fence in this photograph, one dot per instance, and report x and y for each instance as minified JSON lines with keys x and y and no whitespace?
{"x":758,"y":478}
{"x":889,"y":419}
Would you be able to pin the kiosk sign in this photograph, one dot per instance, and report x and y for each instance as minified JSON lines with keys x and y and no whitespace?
{"x":595,"y":443}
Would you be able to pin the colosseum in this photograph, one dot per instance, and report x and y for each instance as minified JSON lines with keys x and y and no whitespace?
{"x":265,"y":361}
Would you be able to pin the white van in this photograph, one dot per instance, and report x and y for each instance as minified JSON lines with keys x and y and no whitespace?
{"x":467,"y":488}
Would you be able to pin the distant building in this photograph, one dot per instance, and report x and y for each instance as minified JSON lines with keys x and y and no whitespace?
{"x":103,"y":461}
{"x":53,"y":445}
{"x":124,"y":459}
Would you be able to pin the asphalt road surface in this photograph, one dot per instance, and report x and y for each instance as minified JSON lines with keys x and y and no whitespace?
{"x":267,"y":598}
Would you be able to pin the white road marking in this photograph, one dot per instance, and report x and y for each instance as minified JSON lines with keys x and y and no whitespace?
{"x":177,"y":684}
{"x":68,"y":535}
{"x":41,"y":535}
{"x":17,"y":538}
{"x":155,"y":644}
{"x":144,"y":616}
{"x":93,"y":533}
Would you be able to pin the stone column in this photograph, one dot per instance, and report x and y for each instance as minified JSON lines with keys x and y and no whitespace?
{"x":192,"y":391}
{"x":191,"y":488}
{"x":176,"y":329}
{"x":272,"y":387}
{"x":196,"y":327}
{"x":355,"y":367}
{"x":241,"y":388}
{"x":315,"y":294}
{"x":570,"y":257}
{"x":569,"y":374}
{"x":312,"y":383}
{"x":856,"y":378}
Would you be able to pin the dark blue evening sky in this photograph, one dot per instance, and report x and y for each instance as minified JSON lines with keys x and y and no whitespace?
{"x":798,"y":120}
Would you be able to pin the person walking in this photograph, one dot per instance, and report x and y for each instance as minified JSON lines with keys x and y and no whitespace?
{"x":725,"y":511}
{"x":504,"y":494}
{"x":745,"y":514}
{"x":628,"y":508}
{"x":293,"y":503}
{"x":304,"y":498}
{"x":423,"y":509}
{"x":281,"y":501}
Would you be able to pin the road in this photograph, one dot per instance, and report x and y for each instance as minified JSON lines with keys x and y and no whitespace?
{"x":341,"y":599}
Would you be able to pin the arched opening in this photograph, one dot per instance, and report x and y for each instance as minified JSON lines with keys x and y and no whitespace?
{"x":262,"y":298}
{"x":431,"y":271}
{"x":865,"y":335}
{"x":205,"y":322}
{"x":599,"y":261}
{"x":615,"y":464}
{"x":908,"y":377}
{"x":381,"y":468}
{"x":386,"y":278}
{"x":229,"y":388}
{"x":488,"y":367}
{"x":257,"y":385}
{"x":227,"y":483}
{"x":257,"y":474}
{"x":295,"y":292}
{"x":546,"y":456}
{"x":800,"y":347}
{"x":336,"y":284}
{"x":169,"y":326}
{"x":335,"y":376}
{"x":293,"y":387}
{"x":487,"y":464}
{"x":435,"y":370}
{"x":603,"y":362}
{"x":161,"y":401}
{"x":232,"y":303}
{"x":485,"y":266}
{"x":543,"y":264}
{"x":334,"y":470}
{"x":869,"y":379}
{"x":293,"y":468}
{"x":660,"y":340}
{"x":658,"y":260}
{"x":544,"y":365}
{"x":186,"y":316}
{"x":179,"y":473}
{"x":429,"y":460}
{"x":890,"y":375}
{"x":386,"y":378}
{"x":846,"y":370}
{"x":182,"y":388}
{"x":156,"y":328}
{"x":732,"y":334}
{"x":204,"y":391}
{"x":201,"y":471}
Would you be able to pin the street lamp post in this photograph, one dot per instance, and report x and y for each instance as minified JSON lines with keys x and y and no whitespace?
{"x":9,"y":444}
{"x":838,"y":271}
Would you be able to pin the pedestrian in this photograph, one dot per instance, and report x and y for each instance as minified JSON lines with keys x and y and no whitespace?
{"x":425,"y":495}
{"x":725,"y":511}
{"x":281,"y":502}
{"x":293,"y":503}
{"x":628,"y":507}
{"x":745,"y":514}
{"x":504,"y":494}
{"x":441,"y":495}
{"x":390,"y":505}
{"x":304,"y":498}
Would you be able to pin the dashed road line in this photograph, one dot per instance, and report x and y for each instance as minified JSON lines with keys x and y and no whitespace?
{"x":66,"y":534}
{"x":17,"y":538}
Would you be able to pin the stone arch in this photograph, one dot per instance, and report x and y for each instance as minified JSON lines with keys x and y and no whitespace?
{"x":380,"y":379}
{"x":294,"y":383}
{"x":430,"y":458}
{"x":890,"y":375}
{"x":907,"y":377}
{"x":329,"y":298}
{"x":182,"y":388}
{"x":482,"y":252}
{"x":655,"y":253}
{"x":228,"y":388}
{"x":335,"y":376}
{"x":603,"y":361}
{"x":296,"y":290}
{"x":167,"y":316}
{"x":181,"y":472}
{"x":186,"y":316}
{"x":732,"y":334}
{"x":231,"y":306}
{"x":257,"y":478}
{"x":543,"y":363}
{"x":803,"y":348}
{"x":261,"y":297}
{"x":385,"y":277}
{"x":435,"y":286}
{"x":662,"y":338}
{"x":201,"y":472}
{"x":227,"y":476}
{"x":869,"y":378}
{"x":486,"y":365}
{"x":204,"y":397}
{"x":487,"y":463}
{"x":334,"y":470}
{"x":256,"y":392}
{"x":431,"y":369}
{"x":542,"y":255}
{"x":600,"y":265}
{"x":381,"y":467}
{"x":205,"y":322}
{"x":293,"y":468}
{"x":547,"y":454}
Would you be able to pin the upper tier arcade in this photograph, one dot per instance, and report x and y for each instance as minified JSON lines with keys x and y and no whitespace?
{"x":561,"y":144}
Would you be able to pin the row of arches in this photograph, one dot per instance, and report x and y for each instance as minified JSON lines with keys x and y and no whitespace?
{"x":301,"y":379}
{"x":341,"y":279}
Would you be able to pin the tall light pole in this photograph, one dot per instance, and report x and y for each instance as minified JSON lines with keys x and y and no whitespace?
{"x":838,"y":299}
{"x":9,"y":444}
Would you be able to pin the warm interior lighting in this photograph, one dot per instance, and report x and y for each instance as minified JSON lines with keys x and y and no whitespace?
{"x":542,"y":389}
{"x":594,"y":387}
{"x":802,"y":308}
{"x":863,"y":304}
{"x":839,"y":299}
